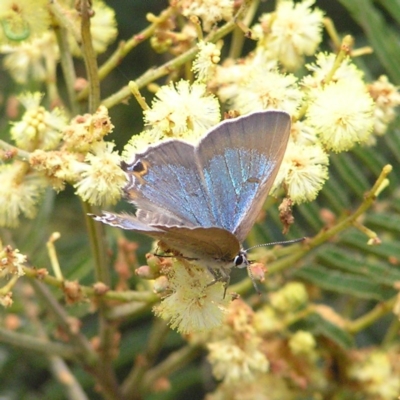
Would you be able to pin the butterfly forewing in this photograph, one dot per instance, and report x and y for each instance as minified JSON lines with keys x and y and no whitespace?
{"x":239,"y":164}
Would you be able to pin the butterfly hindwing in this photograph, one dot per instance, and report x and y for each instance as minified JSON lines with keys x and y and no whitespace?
{"x":165,"y":180}
{"x":212,"y":246}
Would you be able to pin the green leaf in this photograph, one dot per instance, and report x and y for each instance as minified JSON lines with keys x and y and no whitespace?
{"x":357,"y":240}
{"x":320,"y":326}
{"x":347,"y":261}
{"x":392,"y":140}
{"x":353,"y":176}
{"x":396,"y":205}
{"x":371,"y":158}
{"x":334,"y":194}
{"x":384,"y":221}
{"x":392,"y":7}
{"x":384,"y":39}
{"x":341,"y":282}
{"x":311,"y":213}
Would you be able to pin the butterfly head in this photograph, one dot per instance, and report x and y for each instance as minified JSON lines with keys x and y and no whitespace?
{"x":241,"y":261}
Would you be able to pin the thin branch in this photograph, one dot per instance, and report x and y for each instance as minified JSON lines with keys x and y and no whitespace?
{"x":45,"y":347}
{"x":67,"y":379}
{"x":89,"y":56}
{"x":61,"y":316}
{"x":156,"y":340}
{"x":172,"y":363}
{"x":156,"y":73}
{"x":92,"y":292}
{"x":67,"y":65}
{"x":125,"y":47}
{"x":11,"y":152}
{"x":371,"y":317}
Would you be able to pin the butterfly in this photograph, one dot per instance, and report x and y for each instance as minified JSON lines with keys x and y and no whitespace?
{"x":201,"y":201}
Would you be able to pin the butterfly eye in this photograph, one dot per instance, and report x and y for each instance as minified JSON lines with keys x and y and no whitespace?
{"x":240,"y":260}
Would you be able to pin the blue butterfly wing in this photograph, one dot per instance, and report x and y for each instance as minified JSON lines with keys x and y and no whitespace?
{"x":166,"y":187}
{"x":239,"y":163}
{"x":203,"y":200}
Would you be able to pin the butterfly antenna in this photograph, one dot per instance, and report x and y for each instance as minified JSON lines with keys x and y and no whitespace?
{"x":275,"y":243}
{"x":250,"y":273}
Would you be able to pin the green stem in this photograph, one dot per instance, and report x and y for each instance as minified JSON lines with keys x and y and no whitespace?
{"x":345,"y":46}
{"x":238,"y":37}
{"x":11,"y":152}
{"x":67,"y":65}
{"x":99,"y":246}
{"x":56,"y":362}
{"x":102,"y":274}
{"x":125,"y":47}
{"x":96,"y":231}
{"x":61,"y":16}
{"x":126,"y":296}
{"x":61,"y":317}
{"x":67,"y":379}
{"x":171,"y":364}
{"x":88,"y":358}
{"x":371,"y":317}
{"x":392,"y":332}
{"x":89,"y":56}
{"x":132,"y":310}
{"x":156,"y":340}
{"x":45,"y":347}
{"x":154,"y":74}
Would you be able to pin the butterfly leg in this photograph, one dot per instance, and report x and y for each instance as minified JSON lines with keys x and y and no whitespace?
{"x":219,"y":276}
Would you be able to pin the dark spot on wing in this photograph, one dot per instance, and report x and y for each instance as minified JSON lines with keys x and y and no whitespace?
{"x":138,"y":167}
{"x":253,"y":180}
